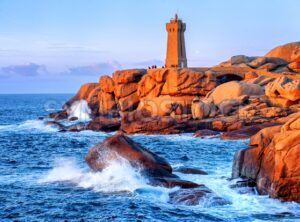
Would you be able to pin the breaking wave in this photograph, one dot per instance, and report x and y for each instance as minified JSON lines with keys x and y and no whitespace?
{"x":118,"y":176}
{"x":36,"y":124}
{"x":81,"y":110}
{"x":242,"y":200}
{"x":30,"y":125}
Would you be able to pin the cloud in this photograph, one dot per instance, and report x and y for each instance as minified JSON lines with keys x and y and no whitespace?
{"x":35,"y":70}
{"x":94,"y":70}
{"x":27,"y":70}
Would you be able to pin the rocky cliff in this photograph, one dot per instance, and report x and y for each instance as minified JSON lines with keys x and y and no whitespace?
{"x":272,"y":160}
{"x":239,"y":92}
{"x":244,"y":96}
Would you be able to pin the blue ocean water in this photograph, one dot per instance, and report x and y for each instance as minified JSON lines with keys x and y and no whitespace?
{"x":43,"y":175}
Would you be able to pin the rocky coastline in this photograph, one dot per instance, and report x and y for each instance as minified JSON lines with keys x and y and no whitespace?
{"x":244,"y":97}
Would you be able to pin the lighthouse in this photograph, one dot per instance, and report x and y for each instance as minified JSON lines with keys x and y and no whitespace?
{"x":176,"y":54}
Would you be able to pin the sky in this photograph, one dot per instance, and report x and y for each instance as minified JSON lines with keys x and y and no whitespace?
{"x":54,"y":46}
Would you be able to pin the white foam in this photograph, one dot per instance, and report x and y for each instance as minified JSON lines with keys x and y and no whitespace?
{"x":155,"y":194}
{"x":243,"y":203}
{"x":81,"y":110}
{"x":64,"y":170}
{"x":117,"y":177}
{"x":4,"y":126}
{"x":38,"y":125}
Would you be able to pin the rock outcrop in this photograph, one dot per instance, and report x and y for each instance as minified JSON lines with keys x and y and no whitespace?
{"x":246,"y":131}
{"x":107,"y":84}
{"x":295,"y":66}
{"x":205,"y":132}
{"x":254,"y":63}
{"x":284,"y":91}
{"x":288,"y":52}
{"x":272,"y":161}
{"x":142,"y":121}
{"x":106,"y":98}
{"x":188,"y":170}
{"x":60,"y":115}
{"x":234,"y":91}
{"x":242,"y":91}
{"x":126,"y":84}
{"x":84,"y":93}
{"x":280,"y":61}
{"x":194,"y":196}
{"x":166,"y":105}
{"x":176,"y":82}
{"x":104,"y":123}
{"x":261,"y":80}
{"x":188,"y":82}
{"x":166,"y":91}
{"x":200,"y":110}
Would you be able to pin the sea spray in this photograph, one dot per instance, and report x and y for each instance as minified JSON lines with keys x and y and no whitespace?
{"x":37,"y":125}
{"x":30,"y":125}
{"x":243,"y":202}
{"x":81,"y":110}
{"x":64,"y":170}
{"x":118,"y":176}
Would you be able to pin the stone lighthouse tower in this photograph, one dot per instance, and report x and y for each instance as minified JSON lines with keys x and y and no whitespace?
{"x":176,"y":55}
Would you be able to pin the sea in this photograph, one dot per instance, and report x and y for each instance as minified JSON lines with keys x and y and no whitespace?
{"x":44,"y":176}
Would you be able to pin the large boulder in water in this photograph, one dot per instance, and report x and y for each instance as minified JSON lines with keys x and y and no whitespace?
{"x":194,"y":196}
{"x":273,"y":160}
{"x":120,"y":145}
{"x":60,"y":115}
{"x":156,"y":169}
